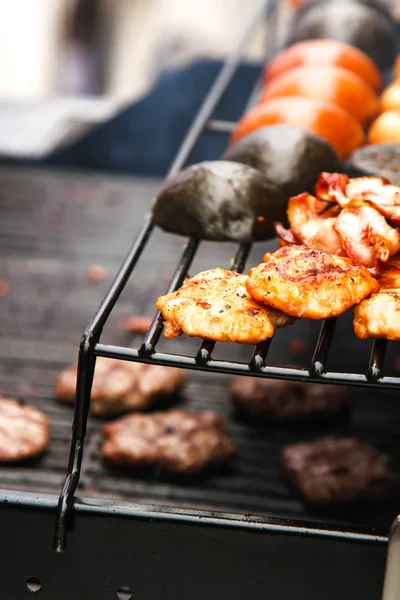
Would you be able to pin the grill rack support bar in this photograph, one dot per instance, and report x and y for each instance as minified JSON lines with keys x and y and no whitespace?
{"x":391,"y":585}
{"x":91,"y":336}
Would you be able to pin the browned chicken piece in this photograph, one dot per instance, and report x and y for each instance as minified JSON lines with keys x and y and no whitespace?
{"x":338,"y":470}
{"x":285,"y":236}
{"x":215,"y":305}
{"x":366,"y":236}
{"x":176,"y":441}
{"x":376,"y":191}
{"x":24,"y":431}
{"x":379,"y":315}
{"x":313,"y":221}
{"x":274,"y":400}
{"x":359,"y":231}
{"x":308,"y":283}
{"x":121,"y":386}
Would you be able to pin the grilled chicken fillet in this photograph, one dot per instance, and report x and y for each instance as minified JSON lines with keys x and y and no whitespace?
{"x":215,"y":305}
{"x":307,"y":283}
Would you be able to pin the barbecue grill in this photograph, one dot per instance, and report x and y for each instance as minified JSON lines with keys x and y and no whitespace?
{"x":237,"y":533}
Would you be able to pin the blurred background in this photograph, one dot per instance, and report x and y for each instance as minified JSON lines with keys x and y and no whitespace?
{"x":82,"y":60}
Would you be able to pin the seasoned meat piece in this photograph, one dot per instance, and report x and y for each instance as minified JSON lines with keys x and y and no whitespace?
{"x":308,"y":283}
{"x":277,"y":400}
{"x":313,"y":222}
{"x":379,"y":315}
{"x":175,"y":440}
{"x":376,"y":191}
{"x":215,"y":305}
{"x":24,"y":431}
{"x":337,"y":470}
{"x":366,"y":236}
{"x":120,"y":386}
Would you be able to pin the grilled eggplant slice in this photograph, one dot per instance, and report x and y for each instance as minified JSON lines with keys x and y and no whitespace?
{"x":220,"y":200}
{"x":358,"y":24}
{"x":290,"y":158}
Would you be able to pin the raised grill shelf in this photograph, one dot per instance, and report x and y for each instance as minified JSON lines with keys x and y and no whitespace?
{"x":203,"y":358}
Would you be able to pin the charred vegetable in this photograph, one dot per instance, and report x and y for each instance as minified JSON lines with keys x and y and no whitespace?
{"x":382,"y":160}
{"x":289,"y":157}
{"x":220,"y":200}
{"x":358,"y":24}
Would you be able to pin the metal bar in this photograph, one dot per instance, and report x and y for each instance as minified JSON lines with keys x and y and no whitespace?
{"x":260,"y":354}
{"x":238,"y":264}
{"x":322,"y":347}
{"x":155,"y":328}
{"x":108,"y":303}
{"x":86,"y":366}
{"x":391,"y":586}
{"x":234,"y":368}
{"x":218,"y":126}
{"x":376,"y":360}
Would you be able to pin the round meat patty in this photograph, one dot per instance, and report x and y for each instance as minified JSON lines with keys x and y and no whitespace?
{"x":176,"y":441}
{"x":338,"y":470}
{"x":121,"y":386}
{"x":275,"y":400}
{"x":24,"y":431}
{"x":215,"y":305}
{"x":309,"y":283}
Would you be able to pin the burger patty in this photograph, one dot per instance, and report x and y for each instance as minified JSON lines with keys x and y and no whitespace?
{"x":24,"y":431}
{"x":276,"y":400}
{"x":175,"y":440}
{"x":121,"y":386}
{"x":338,"y":470}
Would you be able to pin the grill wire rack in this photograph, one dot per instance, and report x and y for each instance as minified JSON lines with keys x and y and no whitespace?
{"x":90,"y":347}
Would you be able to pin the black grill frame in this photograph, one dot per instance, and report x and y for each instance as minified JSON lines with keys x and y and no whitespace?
{"x":90,"y":346}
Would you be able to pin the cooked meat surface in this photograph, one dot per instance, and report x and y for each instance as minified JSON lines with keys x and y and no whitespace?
{"x":313,"y":222}
{"x":277,"y":400}
{"x":215,"y":305}
{"x":367,"y":238}
{"x":337,"y":470}
{"x":379,"y":315}
{"x":307,"y":283}
{"x":376,"y":191}
{"x":356,"y":218}
{"x":120,"y":386}
{"x":24,"y":431}
{"x":176,"y":441}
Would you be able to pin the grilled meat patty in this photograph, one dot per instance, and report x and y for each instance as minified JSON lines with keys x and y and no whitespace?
{"x":176,"y":441}
{"x":337,"y":470}
{"x":215,"y":305}
{"x":121,"y":386}
{"x":309,"y":283}
{"x":277,"y":400}
{"x":24,"y":431}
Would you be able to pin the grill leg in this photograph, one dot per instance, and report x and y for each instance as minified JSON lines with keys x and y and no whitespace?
{"x":391,"y":586}
{"x":86,"y":366}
